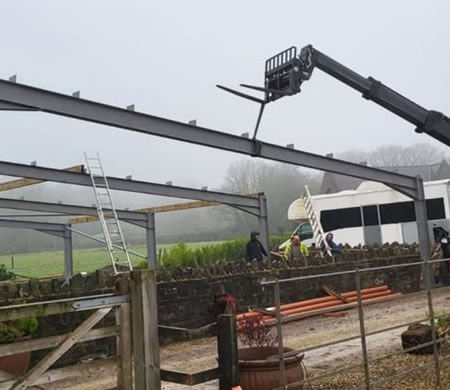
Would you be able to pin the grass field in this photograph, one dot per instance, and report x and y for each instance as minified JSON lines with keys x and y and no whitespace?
{"x":41,"y":264}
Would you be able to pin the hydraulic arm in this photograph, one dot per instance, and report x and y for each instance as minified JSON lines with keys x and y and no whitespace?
{"x":286,"y":71}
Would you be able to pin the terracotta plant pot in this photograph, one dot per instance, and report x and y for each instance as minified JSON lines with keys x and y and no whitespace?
{"x":257,"y":373}
{"x":17,"y":364}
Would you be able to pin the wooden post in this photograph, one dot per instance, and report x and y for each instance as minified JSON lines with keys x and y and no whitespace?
{"x":124,"y":348}
{"x":144,"y":308}
{"x":228,"y":352}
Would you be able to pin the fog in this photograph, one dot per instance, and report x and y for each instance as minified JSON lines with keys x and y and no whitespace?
{"x":167,"y":57}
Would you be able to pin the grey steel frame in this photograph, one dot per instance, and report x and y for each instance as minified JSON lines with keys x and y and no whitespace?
{"x":20,"y":97}
{"x":133,"y":217}
{"x":256,"y":206}
{"x":63,"y":231}
{"x":35,"y":99}
{"x":145,"y":220}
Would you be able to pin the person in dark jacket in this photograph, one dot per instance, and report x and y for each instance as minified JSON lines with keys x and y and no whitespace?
{"x":254,"y":250}
{"x":332,"y":245}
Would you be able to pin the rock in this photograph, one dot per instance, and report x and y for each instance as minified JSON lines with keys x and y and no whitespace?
{"x":46,"y":287}
{"x":76,"y":282}
{"x":34,"y":287}
{"x":416,"y":335}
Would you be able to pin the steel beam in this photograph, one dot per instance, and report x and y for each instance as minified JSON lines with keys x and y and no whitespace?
{"x":20,"y":183}
{"x":140,"y":218}
{"x":47,"y":227}
{"x":115,"y":183}
{"x":55,"y":229}
{"x":64,"y":105}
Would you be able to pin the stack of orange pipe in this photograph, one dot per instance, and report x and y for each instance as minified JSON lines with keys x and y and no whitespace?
{"x":309,"y":307}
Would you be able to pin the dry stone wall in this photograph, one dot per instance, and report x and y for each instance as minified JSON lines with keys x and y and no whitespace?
{"x":186,"y":296}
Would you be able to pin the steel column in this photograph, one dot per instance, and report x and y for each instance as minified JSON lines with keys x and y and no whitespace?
{"x":151,"y":241}
{"x":68,"y":254}
{"x":264,"y":223}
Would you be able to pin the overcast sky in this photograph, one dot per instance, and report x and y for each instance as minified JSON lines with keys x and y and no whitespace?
{"x":167,"y":56}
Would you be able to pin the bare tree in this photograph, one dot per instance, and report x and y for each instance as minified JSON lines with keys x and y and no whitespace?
{"x":396,"y":155}
{"x":281,"y":183}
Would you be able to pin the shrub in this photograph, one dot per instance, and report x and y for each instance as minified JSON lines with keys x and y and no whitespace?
{"x":5,"y":274}
{"x":27,"y":326}
{"x":181,"y":255}
{"x":11,"y":331}
{"x":254,"y":333}
{"x":442,"y":321}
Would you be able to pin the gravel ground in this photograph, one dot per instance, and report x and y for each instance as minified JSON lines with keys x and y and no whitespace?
{"x":201,"y":354}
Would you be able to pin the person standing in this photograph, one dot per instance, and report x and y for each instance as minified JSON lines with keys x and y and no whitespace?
{"x":295,"y":250}
{"x":254,"y":250}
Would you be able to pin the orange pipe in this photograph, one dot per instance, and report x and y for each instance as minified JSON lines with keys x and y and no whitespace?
{"x":325,"y":305}
{"x":309,"y":302}
{"x":370,"y":296}
{"x":366,"y":291}
{"x":312,"y":307}
{"x":329,"y":298}
{"x":337,"y":302}
{"x":372,"y":300}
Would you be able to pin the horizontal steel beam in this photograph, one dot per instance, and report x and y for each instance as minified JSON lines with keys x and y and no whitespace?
{"x":11,"y":185}
{"x":142,"y":187}
{"x":167,"y":208}
{"x":41,"y":226}
{"x":66,"y":209}
{"x":60,"y":104}
{"x":55,"y":229}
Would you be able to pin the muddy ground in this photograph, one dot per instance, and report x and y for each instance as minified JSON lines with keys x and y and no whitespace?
{"x":201,"y":354}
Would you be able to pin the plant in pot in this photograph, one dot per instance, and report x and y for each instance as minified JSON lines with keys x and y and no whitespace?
{"x":11,"y":332}
{"x":258,"y":365}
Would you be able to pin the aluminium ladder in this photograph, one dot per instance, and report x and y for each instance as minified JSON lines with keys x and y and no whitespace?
{"x":107,"y":215}
{"x":316,"y":226}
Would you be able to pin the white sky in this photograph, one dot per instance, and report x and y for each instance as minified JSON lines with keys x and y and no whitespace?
{"x":167,"y":56}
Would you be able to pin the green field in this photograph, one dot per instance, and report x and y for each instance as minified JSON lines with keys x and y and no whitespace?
{"x":41,"y":264}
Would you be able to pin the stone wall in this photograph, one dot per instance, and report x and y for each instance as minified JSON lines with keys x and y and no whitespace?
{"x":187,"y":302}
{"x":185,"y":296}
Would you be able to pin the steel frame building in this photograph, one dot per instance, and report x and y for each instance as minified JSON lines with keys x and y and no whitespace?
{"x":18,"y":97}
{"x":256,"y":206}
{"x":14,"y":96}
